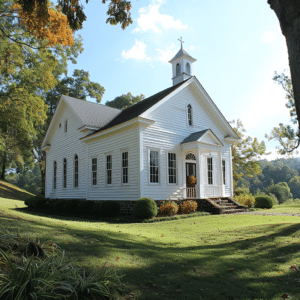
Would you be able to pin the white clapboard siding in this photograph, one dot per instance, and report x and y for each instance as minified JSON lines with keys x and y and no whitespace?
{"x":66,"y":145}
{"x":114,"y":144}
{"x":170,"y":129}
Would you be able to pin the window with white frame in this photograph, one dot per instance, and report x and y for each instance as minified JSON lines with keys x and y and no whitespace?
{"x":210,"y":170}
{"x":124,"y":167}
{"x":94,"y":171}
{"x":65,"y":173}
{"x":154,"y":167}
{"x":224,"y":171}
{"x":66,"y":125}
{"x":76,"y":170}
{"x":108,"y":169}
{"x":54,"y":174}
{"x":190,"y":114}
{"x":172,"y":168}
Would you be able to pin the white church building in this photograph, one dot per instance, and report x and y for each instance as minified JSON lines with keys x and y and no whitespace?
{"x":96,"y":152}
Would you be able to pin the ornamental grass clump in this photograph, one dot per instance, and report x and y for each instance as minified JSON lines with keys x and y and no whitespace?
{"x":263,"y":202}
{"x":188,"y":206}
{"x":145,"y":208}
{"x":168,"y":208}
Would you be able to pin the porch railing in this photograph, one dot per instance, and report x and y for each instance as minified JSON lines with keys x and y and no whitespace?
{"x":190,"y":192}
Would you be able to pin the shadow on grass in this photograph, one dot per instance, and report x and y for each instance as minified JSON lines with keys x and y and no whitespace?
{"x":12,"y":192}
{"x":249,"y":268}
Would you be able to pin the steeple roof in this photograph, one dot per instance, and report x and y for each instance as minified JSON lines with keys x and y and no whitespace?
{"x":182,"y":52}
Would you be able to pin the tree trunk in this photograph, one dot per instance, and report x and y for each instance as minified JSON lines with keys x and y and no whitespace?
{"x":3,"y":167}
{"x":288,"y":14}
{"x":43,"y":179}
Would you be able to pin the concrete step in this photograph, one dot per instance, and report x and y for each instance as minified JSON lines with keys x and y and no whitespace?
{"x":232,"y":211}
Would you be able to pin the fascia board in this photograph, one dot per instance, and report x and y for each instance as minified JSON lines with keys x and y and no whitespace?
{"x":140,"y":120}
{"x":58,"y":108}
{"x":214,"y":107}
{"x":161,"y":102}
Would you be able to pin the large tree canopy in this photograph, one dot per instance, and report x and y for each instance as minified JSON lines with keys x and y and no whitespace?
{"x":288,"y":14}
{"x":125,"y":100}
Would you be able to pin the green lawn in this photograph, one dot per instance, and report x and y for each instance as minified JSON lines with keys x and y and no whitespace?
{"x":205,"y":257}
{"x":284,"y":209}
{"x":10,"y":191}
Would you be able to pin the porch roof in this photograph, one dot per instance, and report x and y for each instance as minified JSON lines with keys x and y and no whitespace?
{"x":196,"y":137}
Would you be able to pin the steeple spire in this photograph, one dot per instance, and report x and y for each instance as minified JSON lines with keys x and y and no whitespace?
{"x":181,"y":41}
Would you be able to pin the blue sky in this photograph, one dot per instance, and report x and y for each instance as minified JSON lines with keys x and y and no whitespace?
{"x":238,"y":45}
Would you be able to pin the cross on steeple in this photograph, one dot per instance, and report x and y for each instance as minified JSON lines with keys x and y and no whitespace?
{"x":181,"y":41}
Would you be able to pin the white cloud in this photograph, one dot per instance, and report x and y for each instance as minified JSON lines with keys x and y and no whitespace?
{"x":138,"y":51}
{"x":151,"y":19}
{"x":269,"y":37}
{"x":166,"y":55}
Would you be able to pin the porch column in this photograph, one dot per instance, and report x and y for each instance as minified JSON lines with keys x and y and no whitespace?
{"x":220,"y":174}
{"x":198,"y":174}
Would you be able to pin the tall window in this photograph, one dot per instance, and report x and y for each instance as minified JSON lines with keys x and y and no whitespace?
{"x":54,"y":174}
{"x":66,"y":125}
{"x":224,"y":171}
{"x":188,"y":68}
{"x":94,"y":171}
{"x":190,"y":114}
{"x":65,"y":174}
{"x":76,"y":171}
{"x":172,"y":167}
{"x":154,"y":167}
{"x":209,"y":170}
{"x":178,"y":69}
{"x":108,"y":169}
{"x":125,"y":167}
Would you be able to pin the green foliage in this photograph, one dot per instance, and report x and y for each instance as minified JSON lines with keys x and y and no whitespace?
{"x":263,"y":202}
{"x":245,"y":199}
{"x":106,"y":208}
{"x":288,"y":136}
{"x":241,"y":191}
{"x":281,"y":191}
{"x":124,"y":101}
{"x":145,"y":208}
{"x":246,"y":153}
{"x":85,"y":207}
{"x":294,"y":185}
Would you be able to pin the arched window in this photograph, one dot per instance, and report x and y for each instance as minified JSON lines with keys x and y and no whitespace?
{"x":188,"y":68}
{"x":178,"y":69}
{"x":54,"y":174}
{"x":66,"y":125}
{"x":76,"y":171}
{"x":190,"y":114}
{"x":190,"y":156}
{"x":65,"y":174}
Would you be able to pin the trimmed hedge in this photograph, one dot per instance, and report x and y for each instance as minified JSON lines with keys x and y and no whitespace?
{"x":85,"y":207}
{"x":263,"y":202}
{"x":145,"y":208}
{"x":106,"y":208}
{"x":168,"y":208}
{"x":70,"y":206}
{"x":38,"y":201}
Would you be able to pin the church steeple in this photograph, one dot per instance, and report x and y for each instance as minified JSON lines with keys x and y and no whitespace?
{"x":181,"y":65}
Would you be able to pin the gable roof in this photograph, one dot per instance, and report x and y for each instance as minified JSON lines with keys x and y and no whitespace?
{"x":196,"y":137}
{"x":137,"y":109}
{"x":90,"y":113}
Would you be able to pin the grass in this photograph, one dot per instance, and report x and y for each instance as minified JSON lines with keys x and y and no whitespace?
{"x":204,"y":257}
{"x":284,"y":209}
{"x":10,"y":191}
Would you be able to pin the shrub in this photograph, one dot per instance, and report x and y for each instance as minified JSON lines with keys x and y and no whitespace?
{"x":57,"y":205}
{"x":85,"y":207}
{"x":106,"y":208}
{"x":70,"y":206}
{"x":38,"y":201}
{"x":145,"y":208}
{"x":245,"y":199}
{"x":188,"y":206}
{"x":263,"y":202}
{"x":241,"y":191}
{"x":168,"y":208}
